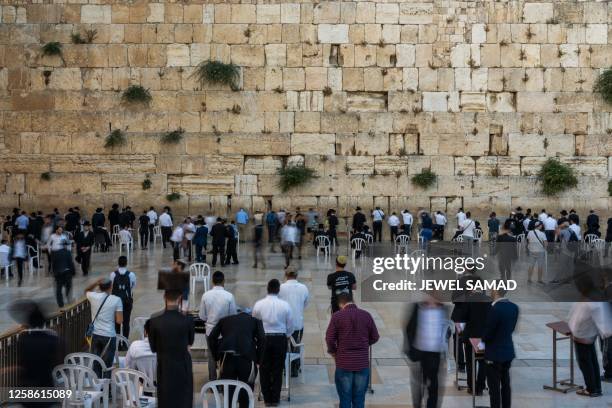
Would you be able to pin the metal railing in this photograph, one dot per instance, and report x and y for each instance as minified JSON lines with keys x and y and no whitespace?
{"x":69,"y":323}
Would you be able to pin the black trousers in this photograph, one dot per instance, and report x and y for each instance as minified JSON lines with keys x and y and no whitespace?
{"x":498,"y":380}
{"x":271,"y":375}
{"x":151,"y":232}
{"x":230,"y":252}
{"x":407,"y":228}
{"x":127,"y":313}
{"x":589,"y":366}
{"x":238,"y":368}
{"x":333,"y":236}
{"x":105,"y":348}
{"x":144,"y":237}
{"x":458,"y":351}
{"x":606,"y":347}
{"x":505,"y":268}
{"x":481,"y":374}
{"x":394,"y":231}
{"x":288,"y":252}
{"x":63,"y":281}
{"x":166,"y":234}
{"x":550,"y":235}
{"x":176,"y":250}
{"x":429,"y":369}
{"x":377,"y":230}
{"x":20,"y":262}
{"x":85,"y":261}
{"x":218,"y":249}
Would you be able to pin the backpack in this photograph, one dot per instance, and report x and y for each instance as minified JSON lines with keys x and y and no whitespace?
{"x":572,"y":237}
{"x":122,"y":287}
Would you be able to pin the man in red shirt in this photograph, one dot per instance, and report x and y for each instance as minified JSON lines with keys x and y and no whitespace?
{"x":350,"y":334}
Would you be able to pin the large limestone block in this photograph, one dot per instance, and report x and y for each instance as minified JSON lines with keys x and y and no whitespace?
{"x":64,"y":183}
{"x":416,"y":13}
{"x":501,"y":101}
{"x":268,"y":13}
{"x":177,"y":55}
{"x":588,"y":166}
{"x":24,"y":163}
{"x":359,"y":164}
{"x":201,"y":184}
{"x":120,"y":163}
{"x":535,"y":101}
{"x":538,"y":12}
{"x":96,"y":14}
{"x":339,"y":123}
{"x":387,"y":13}
{"x":333,"y":33}
{"x":122,"y":183}
{"x":366,"y":102}
{"x":245,"y":185}
{"x":373,"y":144}
{"x":526,"y":144}
{"x":435,"y":101}
{"x":262,"y":165}
{"x":313,"y":143}
{"x":560,"y":145}
{"x":391,"y":164}
{"x":491,"y":186}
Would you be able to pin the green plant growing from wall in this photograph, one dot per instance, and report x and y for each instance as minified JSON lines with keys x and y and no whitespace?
{"x":610,"y":188}
{"x":293,"y":176}
{"x":425,"y":179}
{"x":173,"y":197}
{"x":136,"y":94}
{"x":46,"y":176}
{"x":603,"y":85}
{"x":173,"y":137}
{"x":52,"y":48}
{"x":556,"y":177}
{"x":115,"y":138}
{"x":146,"y":183}
{"x":217,"y":72}
{"x":90,"y":36}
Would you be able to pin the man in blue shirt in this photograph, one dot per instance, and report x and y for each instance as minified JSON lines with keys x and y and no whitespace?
{"x":200,"y":240}
{"x":242,"y":219}
{"x":22,"y":222}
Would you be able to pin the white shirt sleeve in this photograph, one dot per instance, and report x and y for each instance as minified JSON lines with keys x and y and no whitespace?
{"x":202,"y":312}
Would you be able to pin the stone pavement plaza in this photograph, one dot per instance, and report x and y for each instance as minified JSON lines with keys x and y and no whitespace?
{"x":315,"y":388}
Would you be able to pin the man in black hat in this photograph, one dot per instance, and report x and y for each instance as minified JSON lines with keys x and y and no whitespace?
{"x":171,"y":333}
{"x":219,"y":233}
{"x":84,"y":241}
{"x":359,"y":219}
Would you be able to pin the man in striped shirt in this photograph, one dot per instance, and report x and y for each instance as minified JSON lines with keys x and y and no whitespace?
{"x":350,"y":334}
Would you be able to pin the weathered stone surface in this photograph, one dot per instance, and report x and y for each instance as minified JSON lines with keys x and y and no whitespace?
{"x":201,"y":184}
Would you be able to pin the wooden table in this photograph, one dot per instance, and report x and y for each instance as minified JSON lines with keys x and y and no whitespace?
{"x":560,"y":332}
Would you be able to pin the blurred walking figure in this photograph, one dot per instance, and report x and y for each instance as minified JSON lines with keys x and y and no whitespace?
{"x":296,"y":294}
{"x":426,"y":339}
{"x":258,"y":237}
{"x":271,"y":222}
{"x":290,"y":236}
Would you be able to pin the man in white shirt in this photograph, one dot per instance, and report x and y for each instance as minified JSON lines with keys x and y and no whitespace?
{"x":377,"y":218}
{"x":296,"y":294}
{"x":5,"y":258}
{"x":467,"y":225}
{"x":290,"y":237}
{"x":189,"y":229}
{"x":165,"y":223}
{"x":550,"y":228}
{"x":587,"y":321}
{"x":407,"y":221}
{"x":124,"y":283}
{"x":460,"y":216}
{"x":542,"y":216}
{"x":575,"y":228}
{"x":125,"y":235}
{"x":536,"y":245}
{"x":275,"y":314}
{"x":215,"y":305}
{"x":440,"y":224}
{"x":177,"y":241}
{"x":106,"y":311}
{"x":138,"y":348}
{"x":152,"y":221}
{"x":394,"y":223}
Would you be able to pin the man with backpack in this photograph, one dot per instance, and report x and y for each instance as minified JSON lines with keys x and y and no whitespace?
{"x":124,"y":283}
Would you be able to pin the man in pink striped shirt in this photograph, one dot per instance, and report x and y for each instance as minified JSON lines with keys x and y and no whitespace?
{"x":350,"y":334}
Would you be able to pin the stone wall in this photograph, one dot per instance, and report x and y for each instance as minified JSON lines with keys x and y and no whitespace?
{"x":366,"y":93}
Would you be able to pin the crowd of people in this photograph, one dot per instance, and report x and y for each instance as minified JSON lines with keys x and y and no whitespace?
{"x":245,"y":342}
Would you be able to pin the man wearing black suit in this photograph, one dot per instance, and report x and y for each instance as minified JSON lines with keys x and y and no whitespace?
{"x":218,"y":233}
{"x":499,"y":348}
{"x":240,"y":349}
{"x":359,"y":219}
{"x":85,"y":242}
{"x":474,"y":313}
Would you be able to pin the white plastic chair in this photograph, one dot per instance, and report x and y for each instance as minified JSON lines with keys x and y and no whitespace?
{"x":225,"y":384}
{"x":157,"y":234}
{"x":520,"y":243}
{"x":128,"y":244}
{"x":130,"y":386}
{"x":138,"y":326}
{"x":599,"y":245}
{"x":417,"y":253}
{"x":84,"y":384}
{"x":589,"y":238}
{"x":478,"y":237}
{"x":401,"y":243}
{"x":87,"y":360}
{"x":148,"y":366}
{"x":370,"y":243}
{"x":199,"y":272}
{"x":292,"y":356}
{"x":120,"y":340}
{"x":33,"y":254}
{"x":357,"y":244}
{"x":323,"y":244}
{"x":115,"y":234}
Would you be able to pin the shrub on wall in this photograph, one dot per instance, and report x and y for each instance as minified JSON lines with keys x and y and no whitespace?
{"x":136,"y":94}
{"x":146,"y":184}
{"x":173,"y":137}
{"x":115,"y":138}
{"x":46,"y":176}
{"x":294,"y":176}
{"x":217,"y":72}
{"x":52,"y":48}
{"x":173,"y":197}
{"x":425,"y":179}
{"x":556,"y":177}
{"x":603,"y":85}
